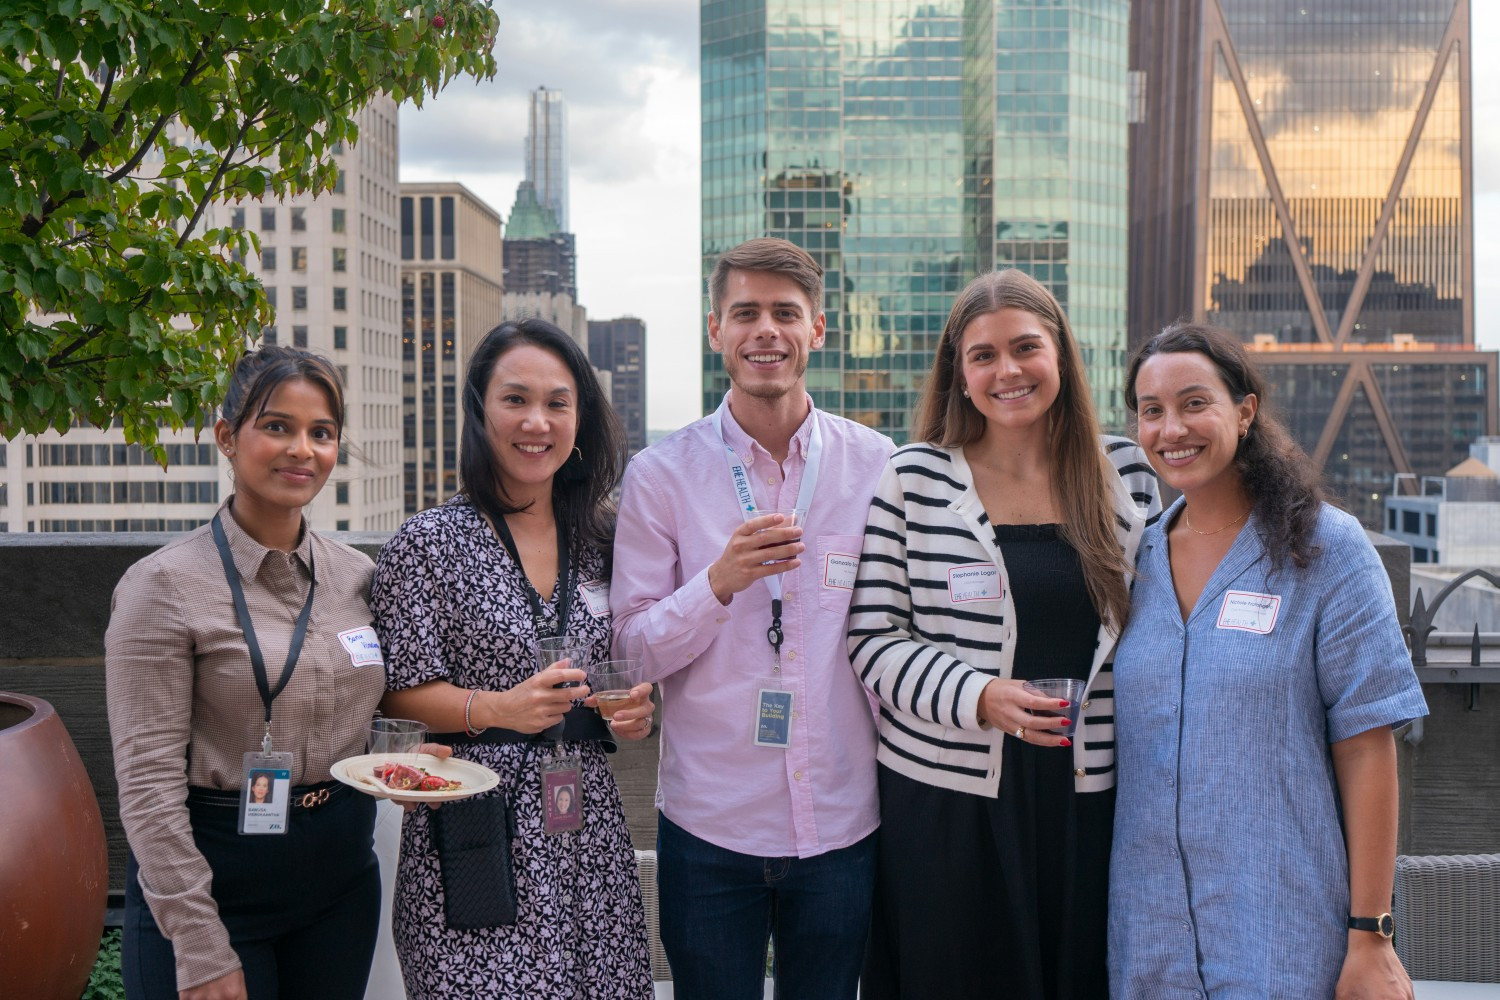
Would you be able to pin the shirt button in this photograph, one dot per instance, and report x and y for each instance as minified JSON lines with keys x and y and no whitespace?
{"x":1174,"y":709}
{"x":771,"y":481}
{"x":797,"y":775}
{"x":1085,"y":704}
{"x":1171,"y":782}
{"x":791,"y":595}
{"x":796,"y":715}
{"x":791,"y":654}
{"x":1079,"y":772}
{"x":718,"y":621}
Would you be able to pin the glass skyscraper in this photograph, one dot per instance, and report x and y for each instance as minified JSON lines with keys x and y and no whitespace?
{"x":547,"y":152}
{"x":1317,"y":199}
{"x":909,"y":146}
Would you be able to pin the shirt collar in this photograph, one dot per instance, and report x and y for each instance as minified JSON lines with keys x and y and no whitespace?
{"x":249,"y":555}
{"x":743,"y":444}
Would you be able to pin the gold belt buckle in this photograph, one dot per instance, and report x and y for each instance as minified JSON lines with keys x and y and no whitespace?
{"x":311,"y":800}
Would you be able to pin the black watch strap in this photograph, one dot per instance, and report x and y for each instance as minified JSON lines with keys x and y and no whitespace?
{"x":1384,"y":925}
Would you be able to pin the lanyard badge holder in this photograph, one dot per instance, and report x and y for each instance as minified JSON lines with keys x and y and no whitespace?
{"x":774,"y":704}
{"x":265,"y":795}
{"x":560,"y":777}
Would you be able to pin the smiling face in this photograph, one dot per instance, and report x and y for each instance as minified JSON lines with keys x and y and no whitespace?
{"x":260,"y":788}
{"x":766,"y":332}
{"x":1190,"y":424}
{"x":1008,"y":363}
{"x":282,"y":456}
{"x":531,"y":413}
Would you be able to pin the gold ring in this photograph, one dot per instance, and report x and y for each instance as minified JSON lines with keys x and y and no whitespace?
{"x":1020,"y":732}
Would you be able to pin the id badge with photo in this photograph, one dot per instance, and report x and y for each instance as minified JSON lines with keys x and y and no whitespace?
{"x":773,"y":715}
{"x":562,"y":795}
{"x":266,"y":793}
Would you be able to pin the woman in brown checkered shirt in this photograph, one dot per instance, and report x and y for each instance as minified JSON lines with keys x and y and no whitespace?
{"x":212,"y":913}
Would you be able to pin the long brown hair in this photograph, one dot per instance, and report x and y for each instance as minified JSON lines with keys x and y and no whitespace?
{"x":1282,"y":481}
{"x":1081,"y":473}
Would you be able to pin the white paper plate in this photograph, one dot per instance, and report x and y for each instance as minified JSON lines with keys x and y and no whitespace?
{"x":359,"y":773}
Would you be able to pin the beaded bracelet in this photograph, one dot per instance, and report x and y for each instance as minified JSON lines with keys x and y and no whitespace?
{"x":468,"y":726}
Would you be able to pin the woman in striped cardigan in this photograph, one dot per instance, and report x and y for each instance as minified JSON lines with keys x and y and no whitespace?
{"x":998,"y":550}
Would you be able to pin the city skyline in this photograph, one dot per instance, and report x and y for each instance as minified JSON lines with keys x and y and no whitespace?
{"x":629,"y":72}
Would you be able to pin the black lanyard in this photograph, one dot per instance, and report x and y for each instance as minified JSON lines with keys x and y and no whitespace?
{"x":564,"y":578}
{"x":257,"y":661}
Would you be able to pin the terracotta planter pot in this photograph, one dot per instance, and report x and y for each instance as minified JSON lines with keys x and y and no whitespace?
{"x":54,"y":872}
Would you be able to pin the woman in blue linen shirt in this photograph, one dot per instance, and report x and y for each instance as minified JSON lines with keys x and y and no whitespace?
{"x":1256,"y":687}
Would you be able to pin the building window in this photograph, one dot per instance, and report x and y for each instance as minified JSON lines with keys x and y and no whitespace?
{"x":271,"y":295}
{"x":447,"y":228}
{"x":338,"y":183}
{"x":341,"y":526}
{"x":340,"y":492}
{"x":268,"y":220}
{"x":426,"y":228}
{"x":237,"y":218}
{"x":299,"y":220}
{"x":1411,"y":522}
{"x":299,"y":296}
{"x":340,"y":259}
{"x":299,"y":336}
{"x":338,"y":224}
{"x":268,"y":336}
{"x":299,"y":258}
{"x":340,"y":338}
{"x":340,"y":299}
{"x":1431,"y":525}
{"x":408,"y":230}
{"x":1390,"y":519}
{"x":268,"y":258}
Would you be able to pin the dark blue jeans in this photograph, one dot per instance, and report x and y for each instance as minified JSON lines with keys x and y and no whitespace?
{"x":719,"y":907}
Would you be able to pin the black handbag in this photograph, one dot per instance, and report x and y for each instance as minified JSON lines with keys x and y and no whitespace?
{"x":473,"y":846}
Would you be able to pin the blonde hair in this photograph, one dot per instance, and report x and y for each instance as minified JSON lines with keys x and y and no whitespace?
{"x":1081,"y":474}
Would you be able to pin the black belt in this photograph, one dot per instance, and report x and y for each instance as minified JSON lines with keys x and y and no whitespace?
{"x":580,"y":725}
{"x":303,"y":796}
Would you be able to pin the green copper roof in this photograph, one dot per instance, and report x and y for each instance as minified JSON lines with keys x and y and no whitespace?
{"x":529,"y":218}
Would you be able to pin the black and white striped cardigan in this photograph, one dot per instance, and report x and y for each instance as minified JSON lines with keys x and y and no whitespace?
{"x":927,"y":658}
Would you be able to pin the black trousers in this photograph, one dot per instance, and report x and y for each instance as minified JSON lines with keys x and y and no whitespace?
{"x":302,"y":909}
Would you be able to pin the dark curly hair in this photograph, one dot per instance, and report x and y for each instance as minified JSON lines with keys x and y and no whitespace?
{"x":1281,"y":480}
{"x":582,"y":487}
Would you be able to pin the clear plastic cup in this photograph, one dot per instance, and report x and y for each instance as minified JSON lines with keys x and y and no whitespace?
{"x":400,"y":740}
{"x":611,"y":681}
{"x":1069,"y":689}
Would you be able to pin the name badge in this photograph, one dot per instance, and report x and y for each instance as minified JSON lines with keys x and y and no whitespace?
{"x":363,"y":646}
{"x":839,"y":570}
{"x":562,"y":796}
{"x":773,"y":719}
{"x":974,"y":582}
{"x":1249,"y":612}
{"x":595,"y":594}
{"x":265,"y":797}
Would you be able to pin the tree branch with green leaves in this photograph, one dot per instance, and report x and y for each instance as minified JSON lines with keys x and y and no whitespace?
{"x":122,"y":123}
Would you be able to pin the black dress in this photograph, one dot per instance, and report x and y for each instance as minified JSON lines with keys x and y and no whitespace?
{"x":1002,"y":898}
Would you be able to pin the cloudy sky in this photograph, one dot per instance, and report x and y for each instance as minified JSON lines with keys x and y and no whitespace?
{"x":628,"y":70}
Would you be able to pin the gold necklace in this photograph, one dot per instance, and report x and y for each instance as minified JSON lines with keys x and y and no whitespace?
{"x":1188,"y":520}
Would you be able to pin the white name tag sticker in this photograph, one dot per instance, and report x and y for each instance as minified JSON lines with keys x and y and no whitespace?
{"x":1247,"y":611}
{"x":839,"y":570}
{"x":974,"y":582}
{"x":363,"y":646}
{"x":595,"y":594}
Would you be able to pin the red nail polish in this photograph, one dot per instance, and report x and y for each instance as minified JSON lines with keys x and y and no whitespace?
{"x":1062,"y":704}
{"x":1067,"y":742}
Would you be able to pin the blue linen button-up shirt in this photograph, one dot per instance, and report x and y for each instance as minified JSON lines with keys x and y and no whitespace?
{"x":1229,"y":878}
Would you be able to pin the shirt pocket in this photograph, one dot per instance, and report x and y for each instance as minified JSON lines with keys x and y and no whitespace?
{"x":837,"y":567}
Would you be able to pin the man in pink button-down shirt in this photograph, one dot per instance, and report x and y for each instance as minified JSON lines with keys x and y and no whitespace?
{"x":767,"y":784}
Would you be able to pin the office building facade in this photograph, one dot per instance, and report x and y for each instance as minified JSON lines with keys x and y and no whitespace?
{"x":618,"y":346}
{"x":547,"y":152}
{"x":1300,"y":174}
{"x":330,"y":269}
{"x":909,"y":147}
{"x":451,"y":292}
{"x":539,"y":257}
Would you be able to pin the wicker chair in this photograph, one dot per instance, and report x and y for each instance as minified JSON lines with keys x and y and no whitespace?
{"x":645,"y":870}
{"x":1448,"y":917}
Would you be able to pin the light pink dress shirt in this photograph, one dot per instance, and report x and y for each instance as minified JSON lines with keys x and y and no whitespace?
{"x":677,"y":511}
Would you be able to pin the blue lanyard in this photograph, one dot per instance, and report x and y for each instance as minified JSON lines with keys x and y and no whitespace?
{"x":740,"y":479}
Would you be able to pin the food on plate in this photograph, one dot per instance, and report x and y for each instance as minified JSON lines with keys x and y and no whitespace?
{"x":405,"y":778}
